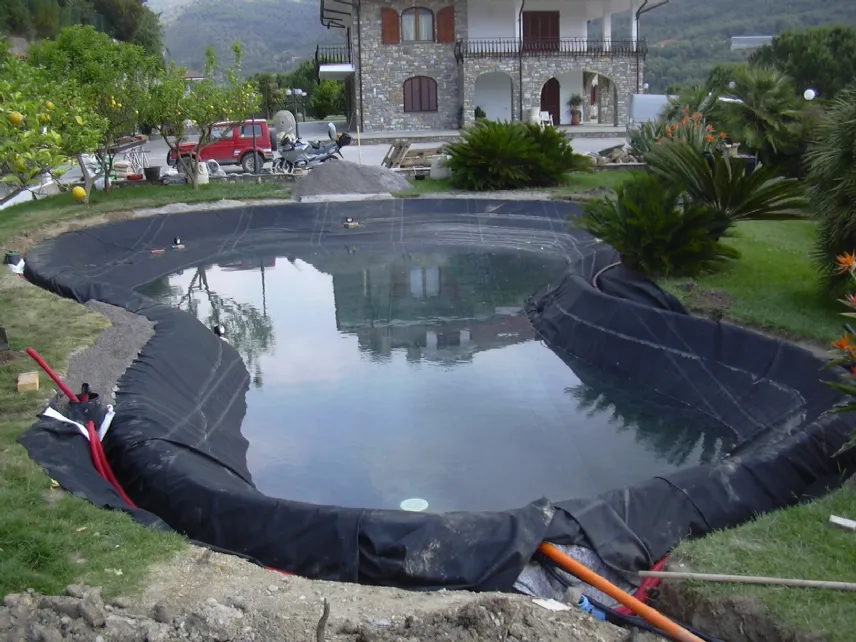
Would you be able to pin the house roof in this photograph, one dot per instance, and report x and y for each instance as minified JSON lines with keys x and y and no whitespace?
{"x":333,"y":13}
{"x":190,"y":75}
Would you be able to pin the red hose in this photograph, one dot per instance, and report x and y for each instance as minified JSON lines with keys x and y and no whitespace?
{"x":96,"y":450}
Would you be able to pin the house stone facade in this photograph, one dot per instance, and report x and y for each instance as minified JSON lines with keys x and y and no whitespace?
{"x":401,"y":80}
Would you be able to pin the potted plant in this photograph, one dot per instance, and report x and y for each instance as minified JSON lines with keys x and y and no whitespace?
{"x":574,"y":104}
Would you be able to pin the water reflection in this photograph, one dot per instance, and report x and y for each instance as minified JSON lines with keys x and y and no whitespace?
{"x":404,"y":375}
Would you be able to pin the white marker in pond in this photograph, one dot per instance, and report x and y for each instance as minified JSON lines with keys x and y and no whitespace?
{"x":414,"y":505}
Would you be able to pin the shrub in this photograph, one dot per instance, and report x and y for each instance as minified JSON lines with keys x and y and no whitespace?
{"x":722,"y":184}
{"x":831,"y":163}
{"x":480,"y":113}
{"x":688,"y":128}
{"x":504,"y":155}
{"x":654,"y":227}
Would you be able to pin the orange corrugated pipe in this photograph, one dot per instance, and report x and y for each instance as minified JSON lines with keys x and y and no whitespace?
{"x":654,"y":618}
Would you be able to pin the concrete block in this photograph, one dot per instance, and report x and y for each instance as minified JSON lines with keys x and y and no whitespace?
{"x":28,"y":382}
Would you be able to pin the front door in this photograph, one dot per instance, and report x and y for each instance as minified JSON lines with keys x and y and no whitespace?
{"x":540,"y":31}
{"x":550,"y":99}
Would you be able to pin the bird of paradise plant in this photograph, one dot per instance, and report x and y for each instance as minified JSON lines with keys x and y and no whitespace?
{"x":691,"y":129}
{"x":844,"y":348}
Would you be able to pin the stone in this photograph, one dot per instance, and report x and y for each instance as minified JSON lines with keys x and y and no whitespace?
{"x":121,"y":602}
{"x":156,"y":632}
{"x":5,"y":621}
{"x":125,"y":629}
{"x":216,"y":622}
{"x":62,"y":605}
{"x":75,"y":590}
{"x":239,"y":603}
{"x":163,"y":613}
{"x":46,"y":634}
{"x":92,"y":613}
{"x":18,"y":634}
{"x":11,"y":600}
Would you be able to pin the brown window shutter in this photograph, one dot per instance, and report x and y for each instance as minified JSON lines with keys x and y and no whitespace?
{"x":446,"y":24}
{"x":389,"y":26}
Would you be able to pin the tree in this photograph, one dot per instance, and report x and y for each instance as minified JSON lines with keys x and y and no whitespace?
{"x":113,"y":76}
{"x":172,"y":103}
{"x":766,"y":116}
{"x":42,"y":123}
{"x":271,"y":93}
{"x":821,"y":58}
{"x":831,"y":162}
{"x":328,"y":98}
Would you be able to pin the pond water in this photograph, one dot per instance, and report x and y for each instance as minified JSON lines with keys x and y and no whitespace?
{"x":387,"y":380}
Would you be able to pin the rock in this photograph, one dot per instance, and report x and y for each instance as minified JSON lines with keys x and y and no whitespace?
{"x":11,"y":600}
{"x":163,"y":613}
{"x":273,"y":588}
{"x":21,"y":610}
{"x":45,"y":634}
{"x":75,"y":590}
{"x":124,"y":629}
{"x":349,"y":627}
{"x":121,"y":602}
{"x":239,"y":603}
{"x":93,"y":594}
{"x":92,"y":614}
{"x":5,"y":621}
{"x":62,"y":605}
{"x":216,"y":622}
{"x":18,"y":634}
{"x":156,"y":632}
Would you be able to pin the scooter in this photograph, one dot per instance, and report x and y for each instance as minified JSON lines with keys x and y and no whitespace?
{"x":297,"y":153}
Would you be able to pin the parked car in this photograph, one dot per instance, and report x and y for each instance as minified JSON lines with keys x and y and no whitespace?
{"x":233,"y":145}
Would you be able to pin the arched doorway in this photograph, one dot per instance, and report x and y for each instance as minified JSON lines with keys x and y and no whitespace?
{"x":493,"y":94}
{"x":551,"y":99}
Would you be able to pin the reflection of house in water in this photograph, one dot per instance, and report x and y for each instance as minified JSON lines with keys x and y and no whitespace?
{"x":242,"y":265}
{"x":442,"y":309}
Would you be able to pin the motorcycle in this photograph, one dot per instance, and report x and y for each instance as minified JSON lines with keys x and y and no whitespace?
{"x":297,"y":153}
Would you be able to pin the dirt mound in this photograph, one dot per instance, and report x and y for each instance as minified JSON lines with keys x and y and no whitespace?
{"x":343,"y":177}
{"x":82,"y":615}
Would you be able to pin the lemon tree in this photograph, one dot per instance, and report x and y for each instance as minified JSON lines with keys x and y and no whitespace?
{"x":112,"y":76}
{"x":43,"y":123}
{"x":222,"y":96}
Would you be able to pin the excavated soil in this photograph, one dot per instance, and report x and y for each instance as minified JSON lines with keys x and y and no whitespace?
{"x":208,"y":597}
{"x":343,"y":177}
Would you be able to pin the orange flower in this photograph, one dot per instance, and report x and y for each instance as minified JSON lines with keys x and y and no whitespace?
{"x":697,"y":115}
{"x":669,"y":133}
{"x":846,"y":262}
{"x":709,"y":139}
{"x":843,"y":343}
{"x":683,"y":139}
{"x":685,"y":120}
{"x":723,"y":135}
{"x":850,"y":299}
{"x":709,"y":128}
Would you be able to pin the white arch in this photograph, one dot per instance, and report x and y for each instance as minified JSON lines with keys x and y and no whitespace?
{"x":570,"y":83}
{"x":493,"y":93}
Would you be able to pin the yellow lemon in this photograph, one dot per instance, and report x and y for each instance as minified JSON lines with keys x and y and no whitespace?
{"x":78,"y":120}
{"x":45,"y":118}
{"x":49,"y":105}
{"x":15,"y":117}
{"x":79,"y":193}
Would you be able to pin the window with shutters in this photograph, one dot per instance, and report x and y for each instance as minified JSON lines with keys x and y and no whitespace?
{"x":417,"y":24}
{"x":420,"y":94}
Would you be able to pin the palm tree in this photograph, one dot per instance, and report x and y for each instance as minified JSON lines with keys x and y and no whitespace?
{"x":764,"y":114}
{"x":831,"y":163}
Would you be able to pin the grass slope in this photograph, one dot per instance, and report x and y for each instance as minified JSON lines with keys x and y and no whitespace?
{"x":772,"y":287}
{"x":792,"y":543}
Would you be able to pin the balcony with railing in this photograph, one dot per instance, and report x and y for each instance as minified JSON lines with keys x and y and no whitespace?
{"x":548,"y":47}
{"x":333,"y":62}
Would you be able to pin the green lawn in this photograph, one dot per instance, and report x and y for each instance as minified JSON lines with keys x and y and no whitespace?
{"x":63,"y":207}
{"x":575,"y":183}
{"x":773,"y":286}
{"x":792,"y":543}
{"x":49,"y":539}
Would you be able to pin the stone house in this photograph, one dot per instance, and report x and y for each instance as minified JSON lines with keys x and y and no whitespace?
{"x":429,"y":64}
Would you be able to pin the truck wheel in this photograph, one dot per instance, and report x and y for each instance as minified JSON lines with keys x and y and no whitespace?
{"x":252,"y":163}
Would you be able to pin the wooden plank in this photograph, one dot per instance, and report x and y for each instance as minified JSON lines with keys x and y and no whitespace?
{"x":843,"y":522}
{"x":28,"y":382}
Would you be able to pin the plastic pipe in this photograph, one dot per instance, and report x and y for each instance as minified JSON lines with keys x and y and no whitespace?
{"x":53,"y":375}
{"x":591,"y":578}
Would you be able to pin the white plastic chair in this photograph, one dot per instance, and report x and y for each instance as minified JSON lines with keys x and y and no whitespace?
{"x":545,"y":118}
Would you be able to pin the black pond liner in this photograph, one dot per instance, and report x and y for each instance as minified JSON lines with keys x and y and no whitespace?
{"x":176,"y":444}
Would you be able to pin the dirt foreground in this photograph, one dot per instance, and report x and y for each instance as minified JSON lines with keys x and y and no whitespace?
{"x":210,"y":597}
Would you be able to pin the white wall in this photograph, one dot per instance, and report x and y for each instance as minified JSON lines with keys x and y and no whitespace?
{"x":499,"y":18}
{"x":493,"y":94}
{"x":492,"y":18}
{"x":571,"y":82}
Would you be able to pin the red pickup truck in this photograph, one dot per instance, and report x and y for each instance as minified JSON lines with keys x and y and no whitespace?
{"x":233,"y":145}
